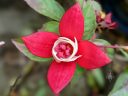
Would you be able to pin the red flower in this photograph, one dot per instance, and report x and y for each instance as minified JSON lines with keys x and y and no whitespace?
{"x":67,"y":49}
{"x":109,"y":23}
{"x":105,"y":21}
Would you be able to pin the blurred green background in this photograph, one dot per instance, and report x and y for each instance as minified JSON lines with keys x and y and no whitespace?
{"x":21,"y":77}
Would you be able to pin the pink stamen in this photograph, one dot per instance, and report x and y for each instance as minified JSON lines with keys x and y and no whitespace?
{"x":57,"y":48}
{"x":61,"y":55}
{"x":63,"y":50}
{"x":69,"y":47}
{"x":67,"y":53}
{"x":63,"y":46}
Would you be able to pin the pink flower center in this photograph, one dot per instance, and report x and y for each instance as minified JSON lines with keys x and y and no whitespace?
{"x":65,"y":50}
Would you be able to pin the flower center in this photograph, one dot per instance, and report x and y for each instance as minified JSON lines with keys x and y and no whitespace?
{"x":65,"y":50}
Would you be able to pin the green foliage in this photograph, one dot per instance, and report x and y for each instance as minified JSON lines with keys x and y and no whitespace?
{"x":51,"y":26}
{"x":43,"y":89}
{"x":90,"y":80}
{"x":124,"y":53}
{"x":77,"y":83}
{"x":96,"y":5}
{"x":24,"y":92}
{"x":95,"y":76}
{"x":109,"y":51}
{"x":89,"y":20}
{"x":98,"y":76}
{"x":80,"y":69}
{"x":81,"y":2}
{"x":78,"y":73}
{"x":22,"y":48}
{"x":121,"y":86}
{"x":49,"y":8}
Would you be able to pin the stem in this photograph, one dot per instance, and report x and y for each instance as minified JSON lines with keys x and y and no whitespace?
{"x":114,"y":46}
{"x":21,"y":79}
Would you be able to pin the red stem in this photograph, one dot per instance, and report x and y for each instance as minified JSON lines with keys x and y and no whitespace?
{"x":113,"y":46}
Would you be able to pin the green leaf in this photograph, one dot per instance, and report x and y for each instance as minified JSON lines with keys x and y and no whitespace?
{"x":77,"y":83}
{"x":23,"y":92}
{"x":79,"y":69}
{"x":51,"y":26}
{"x":90,"y":20}
{"x":41,"y":92}
{"x":81,"y":2}
{"x":109,"y":51}
{"x":96,"y":5}
{"x":90,"y":79}
{"x":78,"y":73}
{"x":22,"y":48}
{"x":49,"y":8}
{"x":121,"y":92}
{"x":121,"y":86}
{"x":124,"y":53}
{"x":43,"y":89}
{"x":98,"y":76}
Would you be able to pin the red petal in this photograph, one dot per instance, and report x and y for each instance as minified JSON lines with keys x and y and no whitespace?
{"x":40,"y":43}
{"x":72,"y":23}
{"x":108,"y":18}
{"x":92,"y":56}
{"x":60,"y":74}
{"x":113,"y":25}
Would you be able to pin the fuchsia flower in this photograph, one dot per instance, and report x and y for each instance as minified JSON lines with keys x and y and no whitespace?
{"x":67,"y":49}
{"x":105,"y":21}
